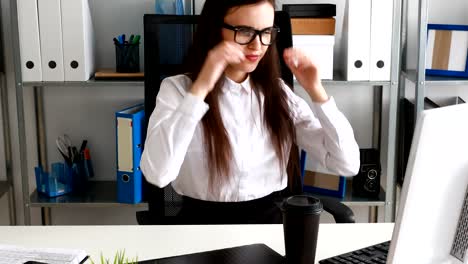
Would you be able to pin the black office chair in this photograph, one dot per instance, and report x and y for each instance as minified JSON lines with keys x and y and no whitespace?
{"x":167,"y":38}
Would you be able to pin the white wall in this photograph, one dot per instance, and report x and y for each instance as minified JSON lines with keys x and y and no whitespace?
{"x":97,"y":105}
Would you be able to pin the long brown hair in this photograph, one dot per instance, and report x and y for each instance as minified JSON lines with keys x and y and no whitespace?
{"x":265,"y":79}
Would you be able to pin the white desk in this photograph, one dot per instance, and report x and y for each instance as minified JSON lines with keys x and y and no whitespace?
{"x":148,"y":242}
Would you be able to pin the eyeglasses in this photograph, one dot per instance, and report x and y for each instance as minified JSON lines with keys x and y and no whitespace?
{"x":244,"y":35}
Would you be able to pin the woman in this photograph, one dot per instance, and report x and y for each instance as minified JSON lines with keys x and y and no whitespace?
{"x":222,"y":133}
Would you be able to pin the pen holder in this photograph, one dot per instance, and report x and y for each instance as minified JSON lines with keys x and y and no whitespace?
{"x":57,"y":182}
{"x":79,"y":178}
{"x":127,"y":57}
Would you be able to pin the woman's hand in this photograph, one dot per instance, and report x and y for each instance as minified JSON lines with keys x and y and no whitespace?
{"x":306,"y":72}
{"x":222,"y":55}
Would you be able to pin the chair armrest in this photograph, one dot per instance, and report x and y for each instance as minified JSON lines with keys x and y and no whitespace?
{"x":144,"y":218}
{"x":341,"y":212}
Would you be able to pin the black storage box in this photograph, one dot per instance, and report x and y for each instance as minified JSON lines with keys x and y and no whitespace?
{"x":310,"y":10}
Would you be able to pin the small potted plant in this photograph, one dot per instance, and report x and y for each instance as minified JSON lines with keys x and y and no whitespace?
{"x":119,"y":258}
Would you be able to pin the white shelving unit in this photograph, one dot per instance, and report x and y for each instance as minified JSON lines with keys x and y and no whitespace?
{"x":417,"y":76}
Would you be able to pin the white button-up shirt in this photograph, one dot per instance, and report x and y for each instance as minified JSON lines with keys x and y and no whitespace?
{"x":174,"y":151}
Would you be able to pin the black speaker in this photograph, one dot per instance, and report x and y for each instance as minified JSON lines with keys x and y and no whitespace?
{"x":367,"y":182}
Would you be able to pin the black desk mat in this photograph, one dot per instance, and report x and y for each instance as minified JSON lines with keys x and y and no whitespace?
{"x":249,"y":254}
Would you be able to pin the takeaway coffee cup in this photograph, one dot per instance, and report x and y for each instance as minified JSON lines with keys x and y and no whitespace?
{"x":301,"y":218}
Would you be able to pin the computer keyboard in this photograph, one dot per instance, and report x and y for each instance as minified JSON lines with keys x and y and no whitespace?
{"x":20,"y":255}
{"x":375,"y":254}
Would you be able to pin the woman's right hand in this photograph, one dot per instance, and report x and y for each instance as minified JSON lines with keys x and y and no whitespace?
{"x":222,"y":55}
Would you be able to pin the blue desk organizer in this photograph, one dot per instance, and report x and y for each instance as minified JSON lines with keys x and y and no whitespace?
{"x":61,"y":180}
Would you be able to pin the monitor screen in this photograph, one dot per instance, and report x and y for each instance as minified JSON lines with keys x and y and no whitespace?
{"x":434,"y":191}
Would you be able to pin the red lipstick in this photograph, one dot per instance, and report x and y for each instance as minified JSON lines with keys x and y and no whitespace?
{"x":252,"y":58}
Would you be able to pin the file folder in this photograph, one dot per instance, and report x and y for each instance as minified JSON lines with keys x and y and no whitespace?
{"x":50,"y":28}
{"x":30,"y":47}
{"x":381,"y":40}
{"x":130,"y":137}
{"x":78,"y":40}
{"x":358,"y":34}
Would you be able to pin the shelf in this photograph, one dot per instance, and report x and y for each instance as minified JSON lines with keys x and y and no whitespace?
{"x":4,"y":187}
{"x":352,"y":200}
{"x":339,"y":80}
{"x":104,"y":194}
{"x":436,"y":80}
{"x":90,"y":83}
{"x":100,"y":194}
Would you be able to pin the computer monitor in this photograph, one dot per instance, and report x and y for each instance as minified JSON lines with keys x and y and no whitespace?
{"x":432,"y":220}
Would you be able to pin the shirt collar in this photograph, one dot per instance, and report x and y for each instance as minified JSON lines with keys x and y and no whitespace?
{"x":234,"y":87}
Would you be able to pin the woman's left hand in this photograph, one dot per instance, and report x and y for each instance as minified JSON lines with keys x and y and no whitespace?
{"x":306,"y":72}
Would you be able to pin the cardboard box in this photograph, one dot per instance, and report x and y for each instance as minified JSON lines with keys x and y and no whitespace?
{"x":326,"y":184}
{"x":447,"y":50}
{"x":313,"y":26}
{"x":310,"y":10}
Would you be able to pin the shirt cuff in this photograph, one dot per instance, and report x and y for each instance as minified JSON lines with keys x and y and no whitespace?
{"x":327,"y":108}
{"x":329,"y":115}
{"x":193,"y":106}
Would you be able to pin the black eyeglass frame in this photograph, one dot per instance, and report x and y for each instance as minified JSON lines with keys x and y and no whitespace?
{"x":256,"y":32}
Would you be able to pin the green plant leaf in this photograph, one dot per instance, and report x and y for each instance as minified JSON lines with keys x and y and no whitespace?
{"x":119,"y":258}
{"x":122,"y":255}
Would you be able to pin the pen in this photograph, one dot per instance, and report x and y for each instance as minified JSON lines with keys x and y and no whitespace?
{"x":136,"y":39}
{"x":123,"y":38}
{"x":88,"y":165}
{"x":130,"y":40}
{"x":70,"y":154}
{"x":116,"y":42}
{"x":65,"y":157}
{"x":75,"y":154}
{"x":83,"y":145}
